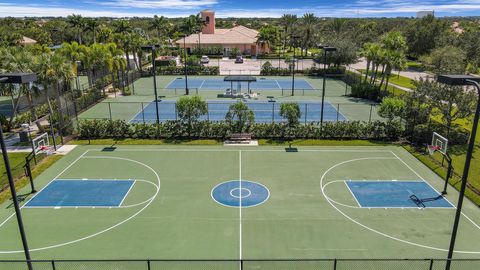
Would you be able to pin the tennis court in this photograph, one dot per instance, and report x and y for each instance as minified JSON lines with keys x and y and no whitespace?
{"x":214,"y":202}
{"x":265,"y":112}
{"x":260,"y":84}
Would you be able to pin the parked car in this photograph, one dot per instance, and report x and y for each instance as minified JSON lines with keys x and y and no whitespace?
{"x":204,"y":59}
{"x":239,"y":59}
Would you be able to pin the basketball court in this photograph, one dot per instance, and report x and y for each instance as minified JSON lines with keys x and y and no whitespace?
{"x":212,"y":202}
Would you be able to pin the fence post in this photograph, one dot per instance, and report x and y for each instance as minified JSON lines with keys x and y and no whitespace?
{"x":273,"y":112}
{"x":53,"y":265}
{"x":53,"y":132}
{"x":338,"y":111}
{"x":241,"y":264}
{"x":148,"y":264}
{"x":143,"y":114}
{"x":370,"y":117}
{"x":431,"y":264}
{"x":29,"y":174}
{"x":110,"y":111}
{"x":306,"y":110}
{"x":346,"y":88}
{"x":335,"y":264}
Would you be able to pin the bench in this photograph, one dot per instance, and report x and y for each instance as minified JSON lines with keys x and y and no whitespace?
{"x":240,"y":137}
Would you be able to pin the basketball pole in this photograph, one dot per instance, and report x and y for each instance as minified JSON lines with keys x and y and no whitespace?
{"x":18,"y":213}
{"x":449,"y":172}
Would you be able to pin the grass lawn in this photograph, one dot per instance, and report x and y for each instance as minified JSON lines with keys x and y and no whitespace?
{"x":17,"y":160}
{"x":396,"y":79}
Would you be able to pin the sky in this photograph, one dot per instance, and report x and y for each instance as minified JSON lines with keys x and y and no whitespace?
{"x":237,"y":8}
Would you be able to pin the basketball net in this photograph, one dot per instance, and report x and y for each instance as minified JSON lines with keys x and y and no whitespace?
{"x":432,"y":149}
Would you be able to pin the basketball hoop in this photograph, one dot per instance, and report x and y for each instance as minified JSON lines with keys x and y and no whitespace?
{"x":45,"y":149}
{"x":432,"y":148}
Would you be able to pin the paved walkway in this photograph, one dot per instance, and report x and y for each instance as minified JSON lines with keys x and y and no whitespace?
{"x":414,"y":75}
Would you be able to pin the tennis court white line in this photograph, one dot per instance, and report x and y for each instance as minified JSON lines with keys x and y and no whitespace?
{"x":279,"y":87}
{"x":126,"y":194}
{"x":200,"y":87}
{"x":141,"y":111}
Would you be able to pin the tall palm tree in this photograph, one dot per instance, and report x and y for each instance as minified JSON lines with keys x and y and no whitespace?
{"x":19,"y":59}
{"x":92,"y":25}
{"x":159,"y":24}
{"x":73,"y":52}
{"x":309,"y":23}
{"x":78,"y":23}
{"x":287,"y":21}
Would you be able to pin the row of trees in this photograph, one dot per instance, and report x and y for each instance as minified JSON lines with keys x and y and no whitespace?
{"x":56,"y":70}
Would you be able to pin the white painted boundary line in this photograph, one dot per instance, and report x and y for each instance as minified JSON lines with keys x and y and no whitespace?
{"x":279,"y":87}
{"x":141,"y":110}
{"x":244,"y":150}
{"x":353,"y":195}
{"x":105,"y":230}
{"x":201,"y":85}
{"x":126,"y":194}
{"x":322,"y":187}
{"x":240,"y":211}
{"x":454,"y":207}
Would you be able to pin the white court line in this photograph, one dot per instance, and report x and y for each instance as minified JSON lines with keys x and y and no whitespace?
{"x":107,"y":229}
{"x":463,"y":214}
{"x":126,"y":194}
{"x":142,"y":110}
{"x":240,"y":212}
{"x":8,"y":218}
{"x":351,"y":192}
{"x":279,"y":87}
{"x":201,"y":85}
{"x":244,"y":150}
{"x":322,"y":187}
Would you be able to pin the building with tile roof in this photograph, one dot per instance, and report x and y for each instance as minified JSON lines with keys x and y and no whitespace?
{"x":240,"y":37}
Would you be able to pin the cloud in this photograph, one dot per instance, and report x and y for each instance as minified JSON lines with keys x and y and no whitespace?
{"x":152,"y":4}
{"x":183,"y":8}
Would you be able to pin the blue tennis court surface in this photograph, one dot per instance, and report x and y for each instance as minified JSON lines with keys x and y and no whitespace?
{"x":82,"y":193}
{"x":265,"y":112}
{"x":395,"y":194}
{"x":260,"y":84}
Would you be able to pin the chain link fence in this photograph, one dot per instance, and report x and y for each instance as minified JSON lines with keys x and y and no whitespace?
{"x":312,"y":264}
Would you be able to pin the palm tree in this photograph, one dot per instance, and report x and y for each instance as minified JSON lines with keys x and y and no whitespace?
{"x":19,"y":59}
{"x":159,"y":24}
{"x":309,"y":23}
{"x":287,"y":21}
{"x":118,"y":62}
{"x":73,"y":52}
{"x":92,"y":24}
{"x":78,"y":23}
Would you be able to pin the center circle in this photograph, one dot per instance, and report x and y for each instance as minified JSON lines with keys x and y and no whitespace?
{"x":240,"y":193}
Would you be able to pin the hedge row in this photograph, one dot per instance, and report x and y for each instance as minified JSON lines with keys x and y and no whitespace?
{"x":377,"y":130}
{"x":191,"y":70}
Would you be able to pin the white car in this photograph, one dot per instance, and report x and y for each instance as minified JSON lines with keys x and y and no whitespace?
{"x":204,"y":59}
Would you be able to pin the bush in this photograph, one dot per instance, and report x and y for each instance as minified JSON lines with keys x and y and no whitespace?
{"x":376,"y":130}
{"x":366,"y":90}
{"x":191,"y":70}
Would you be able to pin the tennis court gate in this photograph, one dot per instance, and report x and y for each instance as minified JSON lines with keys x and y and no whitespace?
{"x":293,"y":264}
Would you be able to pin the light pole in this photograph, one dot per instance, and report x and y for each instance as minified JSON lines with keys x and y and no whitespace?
{"x":295,"y":38}
{"x":152,"y":48}
{"x":187,"y":92}
{"x":18,"y":78}
{"x":462,"y":80}
{"x":325,"y":50}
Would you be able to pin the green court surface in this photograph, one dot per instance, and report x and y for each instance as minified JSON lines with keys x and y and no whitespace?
{"x":170,"y":213}
{"x":125,"y":108}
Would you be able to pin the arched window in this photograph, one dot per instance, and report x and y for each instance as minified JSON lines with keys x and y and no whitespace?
{"x":207,"y":19}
